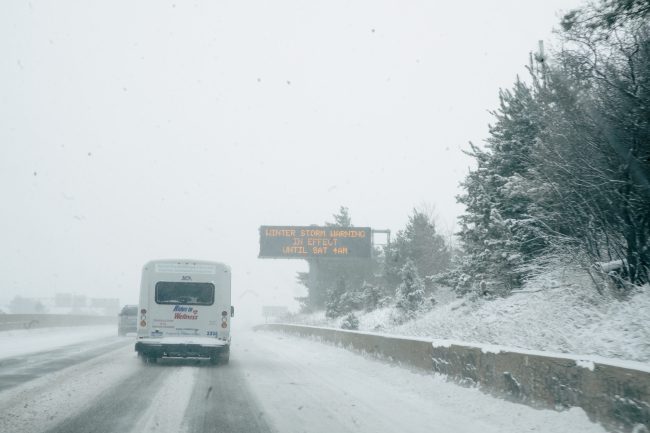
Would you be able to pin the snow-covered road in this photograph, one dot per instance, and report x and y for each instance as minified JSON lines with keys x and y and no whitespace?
{"x":274,"y":383}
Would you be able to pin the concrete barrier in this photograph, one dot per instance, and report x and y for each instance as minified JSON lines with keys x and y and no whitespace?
{"x":27,"y":321}
{"x":618,"y":397}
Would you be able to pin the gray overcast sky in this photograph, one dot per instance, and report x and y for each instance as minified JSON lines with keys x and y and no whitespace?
{"x":133,"y":130}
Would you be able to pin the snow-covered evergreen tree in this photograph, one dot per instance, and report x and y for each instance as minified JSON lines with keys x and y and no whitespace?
{"x":342,"y":299}
{"x":497,"y":232}
{"x":333,"y":306}
{"x":419,"y":242}
{"x":371,"y":295}
{"x":341,"y":219}
{"x":351,"y":322}
{"x":410,"y":296}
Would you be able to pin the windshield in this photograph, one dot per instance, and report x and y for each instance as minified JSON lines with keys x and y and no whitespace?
{"x":186,"y":293}
{"x":325,"y":216}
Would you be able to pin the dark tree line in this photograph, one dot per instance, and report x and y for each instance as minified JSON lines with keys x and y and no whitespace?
{"x":565,"y":172}
{"x":391,"y":276}
{"x":566,"y":167}
{"x":330,"y":279}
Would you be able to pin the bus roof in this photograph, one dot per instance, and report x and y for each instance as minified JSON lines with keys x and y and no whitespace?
{"x":174,"y":266}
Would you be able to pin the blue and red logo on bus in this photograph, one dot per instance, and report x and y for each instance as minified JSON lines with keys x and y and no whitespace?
{"x":185,"y":313}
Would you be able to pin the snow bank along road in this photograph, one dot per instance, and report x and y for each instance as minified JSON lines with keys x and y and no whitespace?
{"x":274,"y":383}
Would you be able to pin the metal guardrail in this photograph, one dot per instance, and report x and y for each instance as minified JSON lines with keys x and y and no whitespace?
{"x":616,"y":397}
{"x":28,"y":321}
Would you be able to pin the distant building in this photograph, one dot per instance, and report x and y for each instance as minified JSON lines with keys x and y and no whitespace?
{"x":111,"y":306}
{"x":20,"y":305}
{"x":70,"y":303}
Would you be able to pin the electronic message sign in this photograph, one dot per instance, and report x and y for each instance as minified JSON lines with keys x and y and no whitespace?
{"x":308,"y":242}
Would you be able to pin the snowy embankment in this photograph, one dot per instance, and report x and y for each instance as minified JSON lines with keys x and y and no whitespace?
{"x":567,"y":319}
{"x":22,"y":341}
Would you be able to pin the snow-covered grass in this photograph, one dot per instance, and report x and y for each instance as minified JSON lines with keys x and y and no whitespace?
{"x":547,"y":316}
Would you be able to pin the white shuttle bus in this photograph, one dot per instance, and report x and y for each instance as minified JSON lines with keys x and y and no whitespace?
{"x":184,"y":311}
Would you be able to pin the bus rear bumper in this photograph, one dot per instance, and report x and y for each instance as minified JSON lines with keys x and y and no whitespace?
{"x":160,"y":347}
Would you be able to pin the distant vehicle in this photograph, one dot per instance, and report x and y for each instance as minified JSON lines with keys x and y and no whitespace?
{"x":128,"y":320}
{"x":184,"y":311}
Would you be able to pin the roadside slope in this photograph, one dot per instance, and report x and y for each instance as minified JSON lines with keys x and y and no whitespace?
{"x":565,"y":319}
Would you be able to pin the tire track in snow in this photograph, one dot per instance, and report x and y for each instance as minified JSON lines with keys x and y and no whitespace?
{"x":166,"y":412}
{"x":222,"y":402}
{"x":118,"y":408}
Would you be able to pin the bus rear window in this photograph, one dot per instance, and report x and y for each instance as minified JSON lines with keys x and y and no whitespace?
{"x":180,"y":292}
